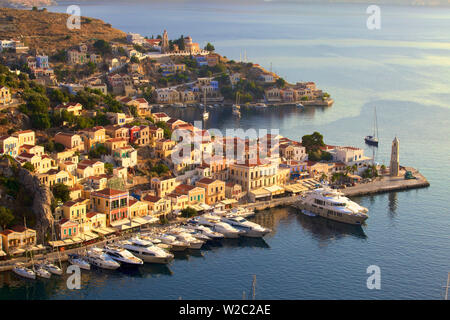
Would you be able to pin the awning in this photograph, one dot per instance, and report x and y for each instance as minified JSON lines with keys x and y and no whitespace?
{"x":68,"y":241}
{"x":89,"y":236}
{"x":140,"y":220}
{"x":261,"y":193}
{"x":275,"y":190}
{"x":124,"y":224}
{"x":56,"y":243}
{"x":228,"y":201}
{"x":197,"y":207}
{"x":16,"y":251}
{"x":151,"y":219}
{"x":205,"y":206}
{"x":77,"y":239}
{"x":295,"y":188}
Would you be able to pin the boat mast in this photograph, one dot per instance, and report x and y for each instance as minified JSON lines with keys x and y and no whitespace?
{"x":376,"y":124}
{"x":26,"y":247}
{"x":446,"y":288}
{"x":254,"y":287}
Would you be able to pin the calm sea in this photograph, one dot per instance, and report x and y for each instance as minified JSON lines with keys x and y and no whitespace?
{"x":402,"y":69}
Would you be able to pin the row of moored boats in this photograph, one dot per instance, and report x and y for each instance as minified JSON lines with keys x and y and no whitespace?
{"x":156,"y":246}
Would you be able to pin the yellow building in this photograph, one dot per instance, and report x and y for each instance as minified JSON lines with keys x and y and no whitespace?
{"x":214,"y":190}
{"x":251,"y":176}
{"x":163,"y":148}
{"x":76,"y":210}
{"x":16,"y":239}
{"x":163,"y":186}
{"x":137,"y":208}
{"x":5,"y":95}
{"x":196,"y":195}
{"x":27,"y":137}
{"x":54,"y":176}
{"x":157,"y":206}
{"x":92,"y":137}
{"x":179,"y":201}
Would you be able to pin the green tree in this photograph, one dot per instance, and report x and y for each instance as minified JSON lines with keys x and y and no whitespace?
{"x":134,"y":59}
{"x":103,"y":47}
{"x":209,"y":47}
{"x":313,"y":142}
{"x":6,"y":217}
{"x":109,"y":168}
{"x":280,"y":82}
{"x":61,"y":192}
{"x":28,"y":166}
{"x":188,"y":212}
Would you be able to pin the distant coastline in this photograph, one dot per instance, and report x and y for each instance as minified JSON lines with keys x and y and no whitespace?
{"x":23,"y":4}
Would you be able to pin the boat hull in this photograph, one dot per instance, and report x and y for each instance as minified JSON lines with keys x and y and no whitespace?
{"x":153,"y":259}
{"x":80,"y":264}
{"x":103,"y":265}
{"x":24,"y":274}
{"x":345,"y":218}
{"x":371,"y":142}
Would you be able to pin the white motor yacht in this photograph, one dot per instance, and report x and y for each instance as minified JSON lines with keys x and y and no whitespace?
{"x":182,"y":235}
{"x":242,"y":212}
{"x":217,"y":225}
{"x":251,"y":229}
{"x":78,"y":260}
{"x":123,"y":256}
{"x":172,"y":240}
{"x":98,"y":258}
{"x":21,"y":270}
{"x":206,"y":231}
{"x":333,"y":205}
{"x":147,"y":251}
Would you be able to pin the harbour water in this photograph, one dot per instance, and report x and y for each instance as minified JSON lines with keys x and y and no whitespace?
{"x":402,"y":69}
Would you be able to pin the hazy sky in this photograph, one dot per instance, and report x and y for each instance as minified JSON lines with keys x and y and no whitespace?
{"x":394,"y":2}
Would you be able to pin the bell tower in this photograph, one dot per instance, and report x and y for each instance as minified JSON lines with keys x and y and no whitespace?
{"x":165,"y":43}
{"x":395,"y":165}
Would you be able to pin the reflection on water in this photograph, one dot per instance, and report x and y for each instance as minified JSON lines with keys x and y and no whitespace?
{"x":392,"y":204}
{"x":325,"y":230}
{"x":222,"y":117}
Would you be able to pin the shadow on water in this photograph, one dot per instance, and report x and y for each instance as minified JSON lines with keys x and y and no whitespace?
{"x":187,"y":254}
{"x":325,"y":229}
{"x":146,"y":270}
{"x":245,"y":242}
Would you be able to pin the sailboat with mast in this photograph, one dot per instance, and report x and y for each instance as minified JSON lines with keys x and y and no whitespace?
{"x":237,"y":107}
{"x":373,"y":140}
{"x":52,"y":267}
{"x":205,"y":113}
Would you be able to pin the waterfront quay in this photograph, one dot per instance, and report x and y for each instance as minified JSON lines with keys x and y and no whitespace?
{"x":386,"y":183}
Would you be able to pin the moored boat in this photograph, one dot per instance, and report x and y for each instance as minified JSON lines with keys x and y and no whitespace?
{"x":78,"y":260}
{"x":147,"y":251}
{"x":98,"y":258}
{"x":22,"y":271}
{"x":123,"y":256}
{"x":333,"y":205}
{"x":251,"y":229}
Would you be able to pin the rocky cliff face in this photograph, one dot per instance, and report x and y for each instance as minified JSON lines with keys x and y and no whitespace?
{"x":42,"y":200}
{"x":42,"y":196}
